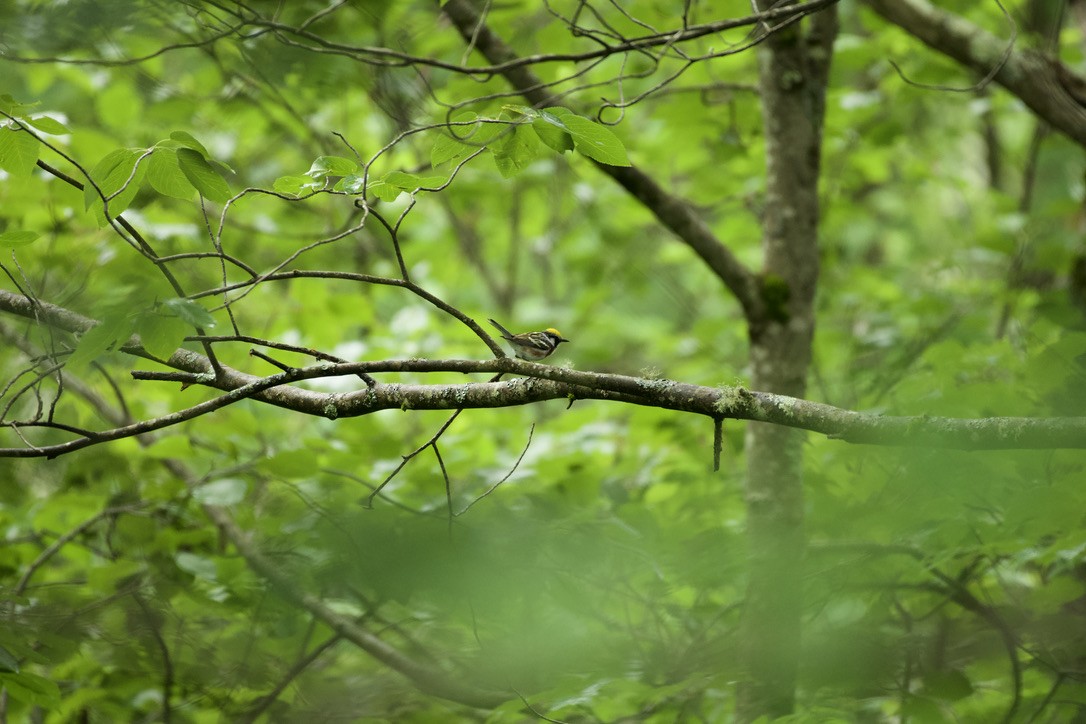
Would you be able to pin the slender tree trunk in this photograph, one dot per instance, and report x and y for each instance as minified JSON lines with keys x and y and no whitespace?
{"x":792,"y":75}
{"x":780,"y":313}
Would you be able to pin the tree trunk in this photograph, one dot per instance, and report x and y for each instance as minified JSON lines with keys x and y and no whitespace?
{"x":792,"y":75}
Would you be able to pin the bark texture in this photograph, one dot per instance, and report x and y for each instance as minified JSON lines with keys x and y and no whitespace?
{"x":792,"y":77}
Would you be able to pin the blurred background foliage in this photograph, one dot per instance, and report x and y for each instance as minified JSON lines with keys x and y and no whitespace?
{"x":604,"y":578}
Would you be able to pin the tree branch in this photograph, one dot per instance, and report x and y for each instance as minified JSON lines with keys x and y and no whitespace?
{"x":547,"y":383}
{"x":673,"y":212}
{"x":427,"y":678}
{"x":388,"y":57}
{"x":1042,"y":83}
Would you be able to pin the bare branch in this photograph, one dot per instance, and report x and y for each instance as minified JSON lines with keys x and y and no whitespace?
{"x":394,"y":58}
{"x":508,"y":475}
{"x":261,"y":704}
{"x":63,"y":540}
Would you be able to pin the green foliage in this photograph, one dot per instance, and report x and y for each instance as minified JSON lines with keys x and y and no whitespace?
{"x":164,"y":172}
{"x":516,"y":146}
{"x":603,"y":578}
{"x":18,"y":151}
{"x":202,"y":175}
{"x":13,"y":239}
{"x":114,"y":182}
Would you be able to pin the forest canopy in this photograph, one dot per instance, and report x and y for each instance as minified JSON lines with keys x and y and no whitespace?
{"x":808,"y":445}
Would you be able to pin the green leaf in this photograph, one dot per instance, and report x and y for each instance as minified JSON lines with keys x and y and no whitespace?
{"x":12,"y":239}
{"x":52,"y":126}
{"x":31,"y":688}
{"x":384,"y":190}
{"x":351,"y":183}
{"x":119,"y":105}
{"x":447,"y":148}
{"x":223,"y":169}
{"x":199,"y":566}
{"x":1056,"y":593}
{"x":165,"y":175}
{"x":949,"y":685}
{"x":173,"y":446}
{"x":460,"y":141}
{"x":201,"y":175}
{"x":190,"y":311}
{"x":113,"y":174}
{"x":113,"y":331}
{"x":922,"y":709}
{"x":431,"y":182}
{"x":514,"y":150}
{"x":18,"y":152}
{"x":160,"y":334}
{"x":553,"y":132}
{"x":8,"y":663}
{"x":413,"y":182}
{"x":186,"y":140}
{"x":226,"y":491}
{"x":525,"y":111}
{"x":396,"y":182}
{"x":295,"y":185}
{"x":596,"y":141}
{"x":12,"y":107}
{"x":290,"y":464}
{"x":325,"y":166}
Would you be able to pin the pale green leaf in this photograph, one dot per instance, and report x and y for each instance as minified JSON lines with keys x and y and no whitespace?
{"x":553,"y":132}
{"x":225,"y":491}
{"x":119,"y":105}
{"x":448,"y":148}
{"x":161,"y":335}
{"x":413,"y":182}
{"x":189,"y":311}
{"x":457,"y":142}
{"x":117,"y":178}
{"x":514,"y":150}
{"x":113,"y":331}
{"x":52,"y":126}
{"x":165,"y":175}
{"x":526,"y":111}
{"x":384,"y":190}
{"x":351,"y":183}
{"x":325,"y":166}
{"x":188,"y":141}
{"x":295,"y":185}
{"x":18,"y":152}
{"x":13,"y":239}
{"x":199,"y":566}
{"x":12,"y":107}
{"x":596,"y":141}
{"x":203,"y":176}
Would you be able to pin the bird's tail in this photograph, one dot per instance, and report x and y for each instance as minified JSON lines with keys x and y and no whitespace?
{"x":505,"y":332}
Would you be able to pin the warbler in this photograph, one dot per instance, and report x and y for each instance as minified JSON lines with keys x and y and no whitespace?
{"x":532,"y":346}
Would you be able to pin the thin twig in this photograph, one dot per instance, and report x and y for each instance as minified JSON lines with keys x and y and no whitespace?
{"x":508,"y":475}
{"x":983,"y":82}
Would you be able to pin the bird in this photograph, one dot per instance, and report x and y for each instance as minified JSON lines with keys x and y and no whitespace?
{"x":532,"y":346}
